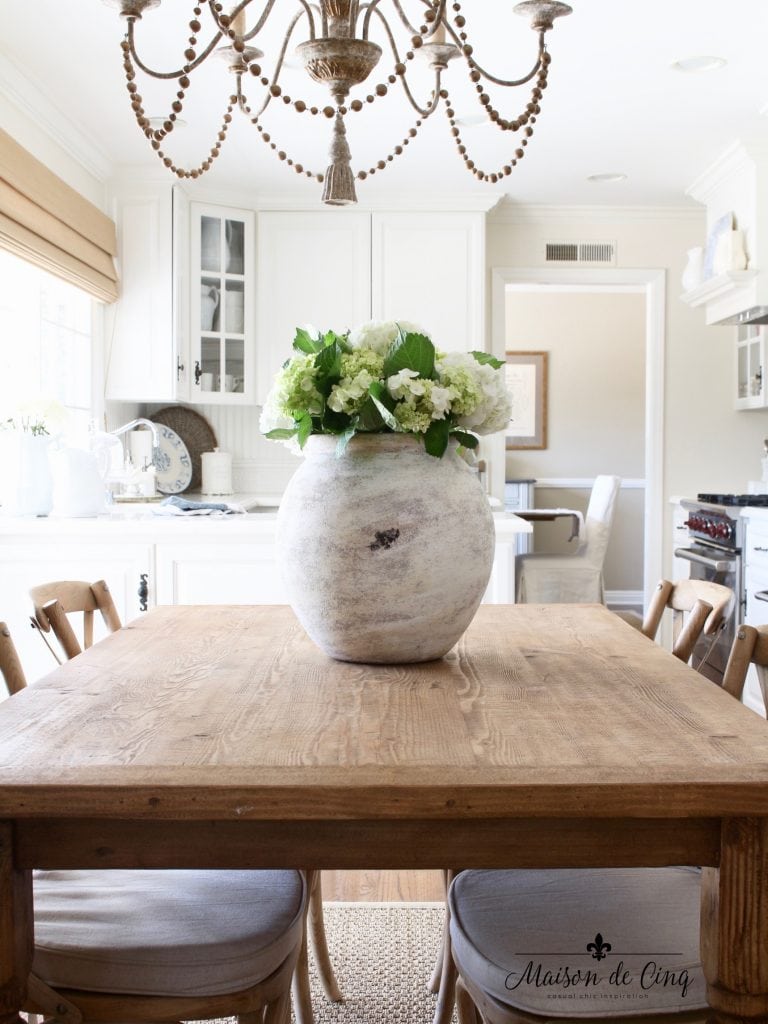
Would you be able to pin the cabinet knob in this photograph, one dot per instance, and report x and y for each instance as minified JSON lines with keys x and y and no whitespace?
{"x":198,"y":372}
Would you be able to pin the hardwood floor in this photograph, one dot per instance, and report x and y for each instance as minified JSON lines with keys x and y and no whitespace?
{"x":383,"y":886}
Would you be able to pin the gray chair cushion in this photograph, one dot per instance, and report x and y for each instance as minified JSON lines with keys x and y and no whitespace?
{"x":524,"y":938}
{"x":171,"y":933}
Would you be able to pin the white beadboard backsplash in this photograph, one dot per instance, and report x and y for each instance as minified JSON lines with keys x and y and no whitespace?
{"x":259,"y":466}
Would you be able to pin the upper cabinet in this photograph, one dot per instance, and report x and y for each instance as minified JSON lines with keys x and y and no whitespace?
{"x":145,"y":333}
{"x":312,"y":268}
{"x":336,"y":269}
{"x":222,"y":282}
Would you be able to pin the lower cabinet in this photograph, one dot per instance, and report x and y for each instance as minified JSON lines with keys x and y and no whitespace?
{"x":217,"y":573}
{"x":26,"y":563}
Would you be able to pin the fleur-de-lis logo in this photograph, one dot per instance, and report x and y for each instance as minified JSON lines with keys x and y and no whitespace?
{"x":598,"y":948}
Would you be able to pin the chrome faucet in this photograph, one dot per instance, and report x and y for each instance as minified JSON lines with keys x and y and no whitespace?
{"x":135,"y":423}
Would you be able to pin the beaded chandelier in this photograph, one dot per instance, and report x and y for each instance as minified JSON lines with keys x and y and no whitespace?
{"x":338,"y":54}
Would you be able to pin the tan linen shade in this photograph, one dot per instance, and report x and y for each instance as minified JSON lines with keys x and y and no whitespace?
{"x":46,"y":222}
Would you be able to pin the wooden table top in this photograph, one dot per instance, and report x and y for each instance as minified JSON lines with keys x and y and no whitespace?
{"x":231,"y":713}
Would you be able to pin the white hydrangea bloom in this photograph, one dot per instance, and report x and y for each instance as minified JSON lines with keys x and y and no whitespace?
{"x":404,"y":384}
{"x":273,"y":418}
{"x":378,"y":335}
{"x":481,"y":392}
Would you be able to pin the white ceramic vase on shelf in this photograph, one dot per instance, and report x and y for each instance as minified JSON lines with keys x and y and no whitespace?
{"x":386,"y":551}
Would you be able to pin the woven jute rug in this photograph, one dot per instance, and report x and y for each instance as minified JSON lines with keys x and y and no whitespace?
{"x":383,"y":956}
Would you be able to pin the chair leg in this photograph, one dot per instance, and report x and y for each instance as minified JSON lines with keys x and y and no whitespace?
{"x":319,"y":942}
{"x":466,"y":1010}
{"x":433,"y":985}
{"x":446,"y":995}
{"x":279,"y":1011}
{"x":302,"y":997}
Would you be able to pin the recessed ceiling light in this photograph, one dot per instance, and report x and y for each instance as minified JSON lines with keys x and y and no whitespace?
{"x":700,"y":63}
{"x":473,"y":120}
{"x":608,"y":176}
{"x":158,"y":122}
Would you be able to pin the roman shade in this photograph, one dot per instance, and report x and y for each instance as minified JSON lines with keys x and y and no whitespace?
{"x":46,"y":222}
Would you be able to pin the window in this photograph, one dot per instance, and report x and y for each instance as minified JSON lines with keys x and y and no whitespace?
{"x":46,"y":328}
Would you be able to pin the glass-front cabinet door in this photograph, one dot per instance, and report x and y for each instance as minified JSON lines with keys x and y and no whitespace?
{"x":222,"y":294}
{"x":750,"y":353}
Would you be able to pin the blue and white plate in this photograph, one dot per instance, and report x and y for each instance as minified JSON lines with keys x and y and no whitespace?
{"x":173,"y":466}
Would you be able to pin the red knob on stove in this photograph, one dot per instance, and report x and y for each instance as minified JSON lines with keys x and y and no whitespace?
{"x":712,"y":529}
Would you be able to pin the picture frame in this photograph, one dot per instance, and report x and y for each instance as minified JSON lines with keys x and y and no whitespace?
{"x":526,"y":375}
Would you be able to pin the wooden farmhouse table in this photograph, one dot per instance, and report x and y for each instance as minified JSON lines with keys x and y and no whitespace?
{"x":551,"y":736}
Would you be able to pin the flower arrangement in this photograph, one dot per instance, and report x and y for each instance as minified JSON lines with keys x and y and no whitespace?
{"x":38,"y":416}
{"x":385,"y":377}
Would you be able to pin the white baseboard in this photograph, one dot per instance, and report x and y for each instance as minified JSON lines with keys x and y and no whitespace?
{"x":624,"y":599}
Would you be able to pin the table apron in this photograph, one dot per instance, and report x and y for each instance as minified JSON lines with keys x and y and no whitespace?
{"x":354,"y":844}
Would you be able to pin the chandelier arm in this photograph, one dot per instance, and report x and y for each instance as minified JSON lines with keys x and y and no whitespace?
{"x":279,"y":64}
{"x":424,"y":111}
{"x":401,"y":13}
{"x":369,"y":9}
{"x":241,"y":7}
{"x":168,"y":74}
{"x":512,"y":82}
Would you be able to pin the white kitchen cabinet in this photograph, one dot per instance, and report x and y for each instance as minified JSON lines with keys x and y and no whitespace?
{"x":751,"y":391}
{"x":146,"y":358}
{"x":336,"y":269}
{"x":218,"y":573}
{"x":312,"y":268}
{"x":429,"y":268}
{"x":26,"y":562}
{"x":222,"y":283}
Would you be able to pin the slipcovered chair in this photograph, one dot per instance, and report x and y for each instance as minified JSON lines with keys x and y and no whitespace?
{"x":502,"y":921}
{"x":576,"y":578}
{"x":168,"y":945}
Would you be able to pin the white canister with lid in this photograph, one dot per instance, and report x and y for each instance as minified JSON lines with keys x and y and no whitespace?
{"x":217,"y":472}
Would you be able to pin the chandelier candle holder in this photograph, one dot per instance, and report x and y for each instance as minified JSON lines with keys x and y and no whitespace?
{"x":339,"y":55}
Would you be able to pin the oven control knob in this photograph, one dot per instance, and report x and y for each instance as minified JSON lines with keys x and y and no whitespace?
{"x":692,"y":522}
{"x":712,"y":529}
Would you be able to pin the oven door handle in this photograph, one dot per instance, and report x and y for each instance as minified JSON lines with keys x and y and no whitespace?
{"x":760,"y":595}
{"x":718,"y":564}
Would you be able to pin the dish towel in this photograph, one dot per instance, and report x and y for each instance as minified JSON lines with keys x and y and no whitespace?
{"x":177,"y":506}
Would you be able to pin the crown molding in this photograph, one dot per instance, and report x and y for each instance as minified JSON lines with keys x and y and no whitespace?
{"x":510,"y":212}
{"x":34,"y":104}
{"x":742,"y":155}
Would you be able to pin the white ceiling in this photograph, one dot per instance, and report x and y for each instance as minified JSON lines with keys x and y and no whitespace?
{"x":613,"y":104}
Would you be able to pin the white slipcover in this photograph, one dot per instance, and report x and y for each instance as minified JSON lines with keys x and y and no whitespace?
{"x":509,"y":928}
{"x":576,"y":578}
{"x":165,"y":933}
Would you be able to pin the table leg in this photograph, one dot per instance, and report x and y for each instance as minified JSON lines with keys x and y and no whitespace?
{"x":16,"y":934}
{"x":734,"y":924}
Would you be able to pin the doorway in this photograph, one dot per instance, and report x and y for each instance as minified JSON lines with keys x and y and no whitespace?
{"x":647,"y":288}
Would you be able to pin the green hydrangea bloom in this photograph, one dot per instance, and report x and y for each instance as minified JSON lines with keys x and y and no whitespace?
{"x":297,"y":391}
{"x":467,"y":392}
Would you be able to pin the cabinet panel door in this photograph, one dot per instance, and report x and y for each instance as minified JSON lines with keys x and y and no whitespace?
{"x":235,"y":573}
{"x":141,"y":354}
{"x":312,"y":268}
{"x":25,"y":564}
{"x":429,"y":268}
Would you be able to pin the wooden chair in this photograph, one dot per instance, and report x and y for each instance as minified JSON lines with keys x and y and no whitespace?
{"x":54,"y":601}
{"x":113,"y":946}
{"x":503,"y":920}
{"x":686,"y":599}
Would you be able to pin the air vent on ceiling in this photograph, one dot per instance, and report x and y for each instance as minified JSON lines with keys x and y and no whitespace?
{"x":580,"y":252}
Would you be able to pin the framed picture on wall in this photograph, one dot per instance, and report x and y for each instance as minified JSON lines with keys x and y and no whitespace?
{"x":526,"y":374}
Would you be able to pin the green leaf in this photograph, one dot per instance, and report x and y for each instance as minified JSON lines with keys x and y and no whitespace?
{"x":488,"y":360}
{"x":304,"y":342}
{"x":369,"y":417}
{"x":281,"y":433}
{"x":328,"y":363}
{"x":410,"y":352}
{"x":334,"y":422}
{"x":304,"y":429}
{"x":384,"y":403}
{"x":436,"y":437}
{"x":344,"y":440}
{"x":465,"y":440}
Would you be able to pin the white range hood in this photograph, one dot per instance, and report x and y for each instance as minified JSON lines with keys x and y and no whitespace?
{"x":737,"y":183}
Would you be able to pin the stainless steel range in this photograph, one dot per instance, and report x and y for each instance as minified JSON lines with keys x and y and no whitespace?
{"x":715,"y":553}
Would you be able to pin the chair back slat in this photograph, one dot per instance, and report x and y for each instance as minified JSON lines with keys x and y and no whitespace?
{"x":687,"y":633}
{"x":10,"y":666}
{"x":54,"y":601}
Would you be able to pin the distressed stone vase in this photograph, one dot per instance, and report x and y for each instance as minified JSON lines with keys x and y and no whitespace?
{"x":386,"y":551}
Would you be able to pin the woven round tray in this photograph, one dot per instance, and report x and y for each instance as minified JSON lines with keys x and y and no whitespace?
{"x":196,"y":433}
